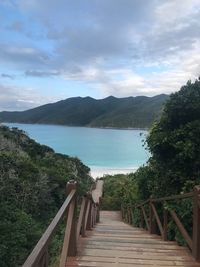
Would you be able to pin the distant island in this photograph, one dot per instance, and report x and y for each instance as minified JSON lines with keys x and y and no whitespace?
{"x":110,"y":112}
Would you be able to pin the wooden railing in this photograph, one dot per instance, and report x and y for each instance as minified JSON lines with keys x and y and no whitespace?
{"x":75,"y":226}
{"x":157,"y":222}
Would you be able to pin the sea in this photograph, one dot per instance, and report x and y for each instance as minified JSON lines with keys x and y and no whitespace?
{"x":105,"y":151}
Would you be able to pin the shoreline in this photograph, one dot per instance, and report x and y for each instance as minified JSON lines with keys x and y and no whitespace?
{"x":98,"y":172}
{"x":79,"y":126}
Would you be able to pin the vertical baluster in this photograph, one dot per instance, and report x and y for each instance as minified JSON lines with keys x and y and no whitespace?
{"x":85,"y":215}
{"x":69,"y":245}
{"x":89,"y":214}
{"x":126,"y":214}
{"x":81,"y":218}
{"x":128,"y":219}
{"x":92,"y":216}
{"x":95,"y":214}
{"x":131,"y":212}
{"x":152,"y":223}
{"x":44,"y":260}
{"x":122,"y":211}
{"x":165,"y":223}
{"x":142,"y":224}
{"x":98,"y":213}
{"x":130,"y":215}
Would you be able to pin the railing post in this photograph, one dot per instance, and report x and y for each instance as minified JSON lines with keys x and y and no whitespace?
{"x":122,"y":211}
{"x":131,"y":213}
{"x":128,"y":215}
{"x":44,"y":261}
{"x":165,"y":223}
{"x":98,"y":213}
{"x":69,"y":245}
{"x":89,"y":217}
{"x":95,"y":213}
{"x":196,"y":224}
{"x":152,"y":223}
{"x":72,"y":242}
{"x":92,"y":215}
{"x":85,"y":214}
{"x":142,"y":218}
{"x":80,"y":224}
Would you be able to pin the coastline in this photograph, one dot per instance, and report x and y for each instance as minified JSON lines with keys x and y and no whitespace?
{"x":97,"y":172}
{"x":81,"y":126}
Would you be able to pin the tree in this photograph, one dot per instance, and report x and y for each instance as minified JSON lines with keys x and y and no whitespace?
{"x":174,"y":142}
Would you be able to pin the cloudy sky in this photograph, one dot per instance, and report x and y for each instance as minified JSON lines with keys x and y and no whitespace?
{"x":55,"y":49}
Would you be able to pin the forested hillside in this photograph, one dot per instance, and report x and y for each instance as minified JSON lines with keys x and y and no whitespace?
{"x":113,"y":112}
{"x":32,"y":189}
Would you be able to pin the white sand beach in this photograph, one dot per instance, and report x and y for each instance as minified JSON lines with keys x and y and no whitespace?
{"x":97,"y":172}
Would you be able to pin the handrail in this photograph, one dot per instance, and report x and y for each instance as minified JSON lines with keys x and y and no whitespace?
{"x":154,"y":221}
{"x":39,"y":249}
{"x":181,"y":196}
{"x":143,"y":203}
{"x":88,"y":217}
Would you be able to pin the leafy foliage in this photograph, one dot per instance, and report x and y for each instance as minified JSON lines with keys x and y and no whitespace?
{"x":175,"y":144}
{"x":118,"y":189}
{"x":32,"y":189}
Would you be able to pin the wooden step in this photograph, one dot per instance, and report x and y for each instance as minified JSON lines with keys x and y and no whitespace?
{"x":112,"y":243}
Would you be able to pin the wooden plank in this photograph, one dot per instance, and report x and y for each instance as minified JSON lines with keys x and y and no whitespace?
{"x":114,"y":243}
{"x":137,"y":260}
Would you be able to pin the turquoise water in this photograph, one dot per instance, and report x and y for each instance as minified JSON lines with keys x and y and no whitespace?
{"x":95,"y":147}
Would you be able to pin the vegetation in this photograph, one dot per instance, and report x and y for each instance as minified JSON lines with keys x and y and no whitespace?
{"x":134,"y":112}
{"x":174,"y":165}
{"x":118,"y":189}
{"x":174,"y":143}
{"x":32,"y":189}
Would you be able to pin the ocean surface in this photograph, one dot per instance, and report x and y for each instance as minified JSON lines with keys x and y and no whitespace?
{"x":98,"y":148}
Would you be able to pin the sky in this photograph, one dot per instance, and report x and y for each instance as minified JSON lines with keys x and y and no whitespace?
{"x":56,"y":49}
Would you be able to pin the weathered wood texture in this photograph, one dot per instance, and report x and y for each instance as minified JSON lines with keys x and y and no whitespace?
{"x":97,"y":192}
{"x":88,"y":217}
{"x":157,"y":225}
{"x":40,"y":249}
{"x":115,"y":243}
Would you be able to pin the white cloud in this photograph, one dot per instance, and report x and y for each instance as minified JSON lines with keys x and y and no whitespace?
{"x":126,"y":82}
{"x":13,"y":98}
{"x":102,"y":44}
{"x":172,"y":12}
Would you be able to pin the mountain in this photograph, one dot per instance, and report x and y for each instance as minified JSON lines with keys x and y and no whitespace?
{"x":114,"y":112}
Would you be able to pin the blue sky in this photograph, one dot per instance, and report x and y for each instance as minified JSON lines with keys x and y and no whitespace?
{"x":55,"y":49}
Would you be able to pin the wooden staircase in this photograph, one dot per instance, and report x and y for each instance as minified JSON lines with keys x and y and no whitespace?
{"x":111,"y":241}
{"x":115,"y":243}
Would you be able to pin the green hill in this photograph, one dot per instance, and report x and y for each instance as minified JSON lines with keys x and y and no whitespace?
{"x":131,"y":112}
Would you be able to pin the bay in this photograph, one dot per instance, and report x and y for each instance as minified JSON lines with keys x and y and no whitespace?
{"x":100,"y":149}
